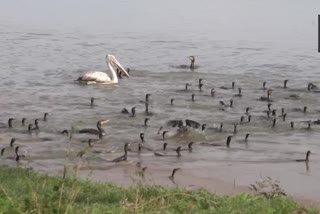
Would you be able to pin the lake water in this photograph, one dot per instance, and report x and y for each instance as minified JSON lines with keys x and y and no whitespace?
{"x":46,"y":45}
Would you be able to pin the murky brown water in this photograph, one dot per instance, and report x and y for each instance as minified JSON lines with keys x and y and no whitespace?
{"x":38,"y":67}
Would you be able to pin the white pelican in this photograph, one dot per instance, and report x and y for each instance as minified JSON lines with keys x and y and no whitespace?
{"x":99,"y":77}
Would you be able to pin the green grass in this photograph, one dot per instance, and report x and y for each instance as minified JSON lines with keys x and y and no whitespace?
{"x":25,"y":191}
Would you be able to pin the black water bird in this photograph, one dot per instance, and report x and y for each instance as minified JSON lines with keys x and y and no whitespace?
{"x":12,"y":142}
{"x":193,"y":60}
{"x":228,"y":141}
{"x":124,"y":156}
{"x":133,"y":111}
{"x":142,"y":137}
{"x":23,"y":121}
{"x":247,"y":110}
{"x":177,"y":151}
{"x":189,"y":147}
{"x":171,"y":177}
{"x":186,"y":86}
{"x":147,"y":97}
{"x":65,"y":132}
{"x":264,"y":85}
{"x":200,"y":87}
{"x":164,"y":135}
{"x":309,"y":125}
{"x":200,"y":81}
{"x":99,"y":131}
{"x":147,"y":109}
{"x":36,"y":124}
{"x":239,"y":93}
{"x":92,"y":102}
{"x":124,"y":111}
{"x":241,"y":119}
{"x":221,"y":126}
{"x":212,"y":92}
{"x":304,"y":109}
{"x":306,"y":159}
{"x":225,"y":87}
{"x":226,"y":106}
{"x":292,"y":124}
{"x":9,"y":123}
{"x":171,"y":101}
{"x":312,"y":86}
{"x":192,"y":97}
{"x":146,"y":122}
{"x":246,"y":137}
{"x":284,"y":117}
{"x":30,"y":128}
{"x":203,"y":127}
{"x":268,"y":97}
{"x":285,"y":83}
{"x":235,"y":128}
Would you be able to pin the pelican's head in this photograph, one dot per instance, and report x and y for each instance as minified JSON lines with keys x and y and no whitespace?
{"x":114,"y":62}
{"x":103,"y":121}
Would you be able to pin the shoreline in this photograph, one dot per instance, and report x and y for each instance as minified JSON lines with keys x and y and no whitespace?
{"x":125,"y":175}
{"x":28,"y":190}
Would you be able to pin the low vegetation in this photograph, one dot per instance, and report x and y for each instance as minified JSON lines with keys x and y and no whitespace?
{"x":26,"y":191}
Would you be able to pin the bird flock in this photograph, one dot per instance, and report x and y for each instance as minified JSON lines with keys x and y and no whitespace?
{"x":177,"y":128}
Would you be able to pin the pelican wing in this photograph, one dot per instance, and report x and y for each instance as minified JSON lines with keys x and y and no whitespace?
{"x":96,"y":76}
{"x":174,"y":123}
{"x":192,"y":123}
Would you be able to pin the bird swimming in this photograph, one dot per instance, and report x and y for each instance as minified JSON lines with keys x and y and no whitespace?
{"x":2,"y":125}
{"x":306,"y":159}
{"x":268,"y":97}
{"x":124,"y":156}
{"x":99,"y":131}
{"x":98,"y":77}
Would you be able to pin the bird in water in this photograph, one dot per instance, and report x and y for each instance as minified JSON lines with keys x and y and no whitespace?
{"x":285,"y":82}
{"x":45,"y":116}
{"x":225,"y":87}
{"x":189,"y":147}
{"x":133,"y":111}
{"x":225,"y":106}
{"x":92,"y":102}
{"x":65,"y":132}
{"x":124,"y":156}
{"x":170,"y":155}
{"x":142,"y":137}
{"x":36,"y":124}
{"x":268,"y":97}
{"x":98,"y":77}
{"x":2,"y":125}
{"x":146,"y":122}
{"x":171,"y":101}
{"x":312,"y":86}
{"x":212,"y":92}
{"x":306,"y":159}
{"x":23,"y":121}
{"x":99,"y":131}
{"x":171,"y":177}
{"x":192,"y":65}
{"x":239,"y":93}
